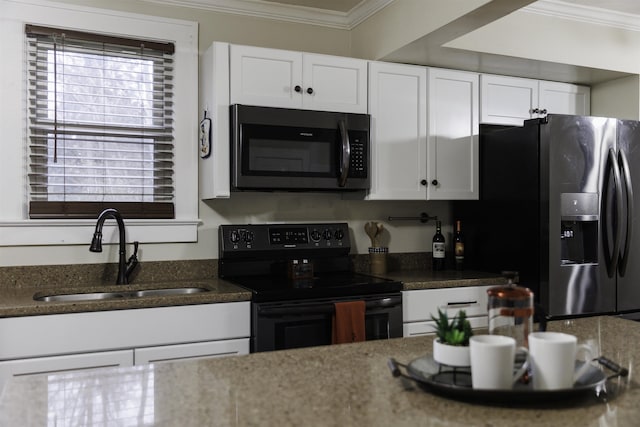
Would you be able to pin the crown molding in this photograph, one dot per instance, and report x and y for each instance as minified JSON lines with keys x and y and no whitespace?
{"x":366,"y":8}
{"x":283,"y":12}
{"x":586,"y":14}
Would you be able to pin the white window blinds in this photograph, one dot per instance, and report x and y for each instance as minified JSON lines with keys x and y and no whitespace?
{"x":100,"y":125}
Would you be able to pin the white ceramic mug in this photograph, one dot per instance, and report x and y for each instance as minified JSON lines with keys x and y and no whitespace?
{"x":492,"y":362}
{"x":553,"y":360}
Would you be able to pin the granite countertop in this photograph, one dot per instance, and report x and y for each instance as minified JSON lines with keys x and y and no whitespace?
{"x":19,"y":300}
{"x":421,"y":279}
{"x":346,"y":385}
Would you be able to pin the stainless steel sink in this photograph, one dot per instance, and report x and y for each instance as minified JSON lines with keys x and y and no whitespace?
{"x":116,"y":295}
{"x":80,"y":297}
{"x":169,"y":291}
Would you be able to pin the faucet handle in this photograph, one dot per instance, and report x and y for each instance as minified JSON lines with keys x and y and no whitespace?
{"x":132,"y":262}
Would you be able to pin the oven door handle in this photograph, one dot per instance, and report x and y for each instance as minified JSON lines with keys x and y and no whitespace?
{"x":325,"y":308}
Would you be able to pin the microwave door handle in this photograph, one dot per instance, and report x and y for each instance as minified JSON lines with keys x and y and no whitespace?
{"x":345,"y":158}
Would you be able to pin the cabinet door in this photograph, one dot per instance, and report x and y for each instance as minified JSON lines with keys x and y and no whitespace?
{"x":565,"y":98}
{"x":398,"y":108}
{"x":48,"y":365}
{"x":507,"y":100}
{"x":334,"y":83}
{"x":201,"y":350}
{"x":452,"y":144}
{"x":429,"y":328}
{"x":265,"y":77}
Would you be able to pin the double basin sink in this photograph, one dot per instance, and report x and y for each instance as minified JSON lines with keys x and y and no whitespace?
{"x":89,"y":296}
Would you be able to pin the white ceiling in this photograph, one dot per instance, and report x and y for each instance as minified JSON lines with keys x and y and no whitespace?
{"x":345,"y":6}
{"x":346,"y":14}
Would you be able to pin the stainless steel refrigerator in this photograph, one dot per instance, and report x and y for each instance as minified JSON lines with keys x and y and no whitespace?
{"x":556,"y":204}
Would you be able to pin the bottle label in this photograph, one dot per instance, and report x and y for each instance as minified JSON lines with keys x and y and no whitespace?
{"x":459,"y":249}
{"x":438,"y":250}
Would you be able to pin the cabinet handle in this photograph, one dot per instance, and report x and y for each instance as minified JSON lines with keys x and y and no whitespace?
{"x":461,"y":304}
{"x":423,"y":182}
{"x":543,"y":111}
{"x":297,"y":89}
{"x":434,"y":182}
{"x":310,"y":91}
{"x":534,"y":111}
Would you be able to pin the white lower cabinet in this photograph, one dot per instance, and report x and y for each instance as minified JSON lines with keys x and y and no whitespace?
{"x":53,"y":364}
{"x":200,"y":350}
{"x":62,"y":342}
{"x":419,"y":305}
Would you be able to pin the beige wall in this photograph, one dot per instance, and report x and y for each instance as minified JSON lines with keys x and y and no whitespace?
{"x":612,"y":99}
{"x":232,"y":28}
{"x":404,"y":21}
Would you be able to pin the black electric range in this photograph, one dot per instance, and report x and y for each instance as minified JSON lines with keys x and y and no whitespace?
{"x":260,"y":257}
{"x":296,"y":273}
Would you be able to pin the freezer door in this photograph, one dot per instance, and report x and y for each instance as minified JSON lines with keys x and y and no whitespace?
{"x":628,"y":298}
{"x":577,"y":153}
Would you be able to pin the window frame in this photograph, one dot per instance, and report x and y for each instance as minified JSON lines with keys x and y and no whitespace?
{"x":15,"y":227}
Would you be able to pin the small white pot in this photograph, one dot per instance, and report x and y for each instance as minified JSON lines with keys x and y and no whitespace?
{"x":451,"y":355}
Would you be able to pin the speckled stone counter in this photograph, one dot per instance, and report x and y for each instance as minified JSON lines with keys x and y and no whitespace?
{"x":344,"y":385}
{"x":19,"y":301}
{"x":427,"y":279}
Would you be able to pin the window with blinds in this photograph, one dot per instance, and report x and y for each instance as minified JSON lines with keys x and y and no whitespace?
{"x":100,"y":125}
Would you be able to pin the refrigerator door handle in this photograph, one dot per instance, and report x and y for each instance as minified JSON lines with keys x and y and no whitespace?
{"x":612,"y":262}
{"x":626,"y":172}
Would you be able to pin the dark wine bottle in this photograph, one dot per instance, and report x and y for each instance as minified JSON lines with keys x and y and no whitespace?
{"x":438,"y":248}
{"x":459,"y":247}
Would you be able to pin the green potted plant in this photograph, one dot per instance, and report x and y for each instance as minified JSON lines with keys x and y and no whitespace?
{"x":451,"y":345}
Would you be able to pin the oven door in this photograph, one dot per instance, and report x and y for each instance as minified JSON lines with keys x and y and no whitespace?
{"x":295,"y":324}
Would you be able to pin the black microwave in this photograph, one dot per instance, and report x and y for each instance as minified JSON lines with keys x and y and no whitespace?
{"x":281,"y":149}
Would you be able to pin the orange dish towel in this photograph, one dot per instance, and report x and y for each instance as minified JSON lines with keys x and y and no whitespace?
{"x":348,"y":322}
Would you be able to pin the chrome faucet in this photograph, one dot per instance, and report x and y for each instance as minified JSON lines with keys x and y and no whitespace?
{"x":125,"y":267}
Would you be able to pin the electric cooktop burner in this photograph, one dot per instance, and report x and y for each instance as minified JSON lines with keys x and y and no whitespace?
{"x":294,"y":261}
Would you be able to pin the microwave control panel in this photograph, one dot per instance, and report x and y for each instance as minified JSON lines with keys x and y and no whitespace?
{"x":359,"y":156}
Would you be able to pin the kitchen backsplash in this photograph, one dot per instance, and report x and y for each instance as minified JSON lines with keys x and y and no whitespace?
{"x":75,"y":275}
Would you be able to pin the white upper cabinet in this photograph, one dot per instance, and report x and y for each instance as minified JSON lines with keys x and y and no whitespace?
{"x":511,"y":100}
{"x":452,"y":144}
{"x":564,"y":98}
{"x":398,"y":108}
{"x":281,"y":78}
{"x":424,"y":136}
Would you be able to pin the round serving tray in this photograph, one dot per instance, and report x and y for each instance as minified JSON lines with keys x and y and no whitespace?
{"x":456,"y":383}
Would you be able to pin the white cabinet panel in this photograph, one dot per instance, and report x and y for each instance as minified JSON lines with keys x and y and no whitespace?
{"x":507,"y":100}
{"x":511,"y":100}
{"x":261,"y":76}
{"x":336,"y":83}
{"x":398,"y":108}
{"x":201,"y":350}
{"x":214,"y":174}
{"x":429,"y":328}
{"x":105,"y":330}
{"x":48,"y":365}
{"x":563,"y":98}
{"x":288,"y":79}
{"x":419,"y":305}
{"x":452,"y":145}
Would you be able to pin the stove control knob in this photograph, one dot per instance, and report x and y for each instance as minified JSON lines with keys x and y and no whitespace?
{"x":327,"y":234}
{"x":339,"y":234}
{"x":234,"y":236}
{"x":248,"y":236}
{"x":315,"y":235}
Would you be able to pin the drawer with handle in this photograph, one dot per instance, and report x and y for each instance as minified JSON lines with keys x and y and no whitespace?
{"x":419,"y":305}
